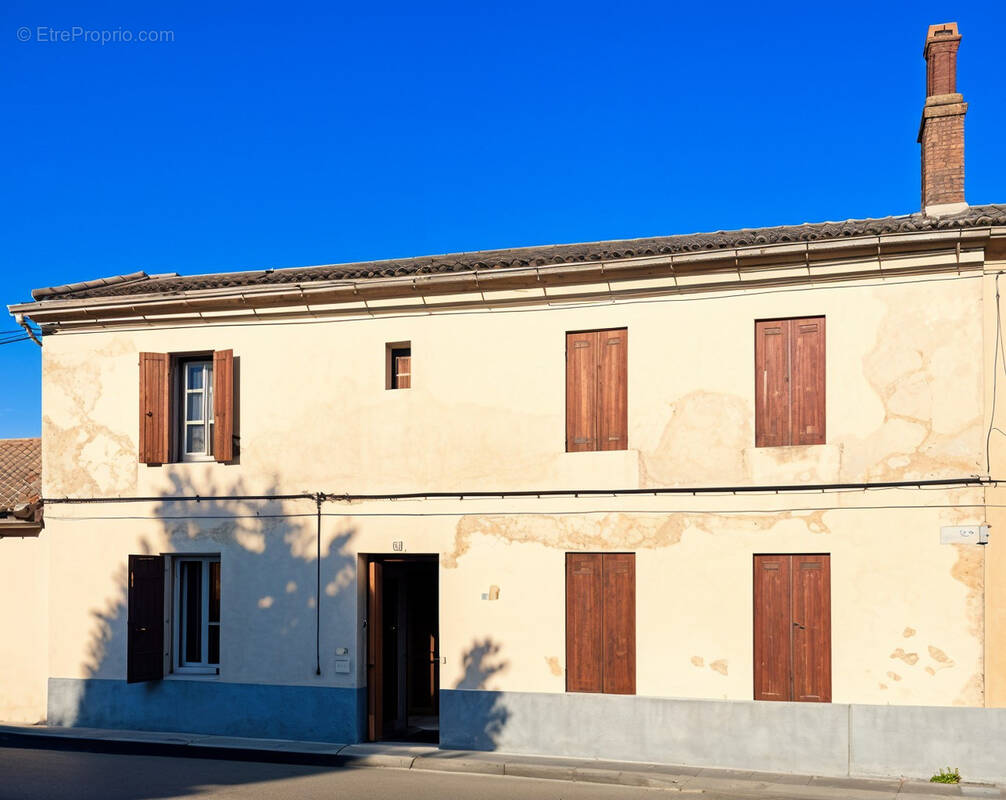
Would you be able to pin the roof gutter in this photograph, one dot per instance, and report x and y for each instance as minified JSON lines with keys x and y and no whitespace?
{"x":751,"y":259}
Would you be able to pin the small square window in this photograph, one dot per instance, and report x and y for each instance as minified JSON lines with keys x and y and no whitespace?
{"x":195,"y":631}
{"x":398,"y":365}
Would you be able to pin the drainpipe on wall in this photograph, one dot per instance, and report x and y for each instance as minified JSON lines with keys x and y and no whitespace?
{"x":19,"y":319}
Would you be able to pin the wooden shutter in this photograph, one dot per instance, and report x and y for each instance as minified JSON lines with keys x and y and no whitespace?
{"x":772,"y":628}
{"x":155,"y":408}
{"x":812,"y":628}
{"x":145,"y":625}
{"x":807,"y":384}
{"x":375,"y":650}
{"x":792,"y":628}
{"x":619,"y":623}
{"x":584,"y":623}
{"x":223,"y":405}
{"x":772,"y":404}
{"x":403,"y":372}
{"x":613,"y":411}
{"x":581,"y":391}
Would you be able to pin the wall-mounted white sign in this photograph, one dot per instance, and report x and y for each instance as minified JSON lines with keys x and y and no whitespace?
{"x":964,"y":534}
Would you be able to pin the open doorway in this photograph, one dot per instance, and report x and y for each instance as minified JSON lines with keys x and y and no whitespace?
{"x":403,"y":652}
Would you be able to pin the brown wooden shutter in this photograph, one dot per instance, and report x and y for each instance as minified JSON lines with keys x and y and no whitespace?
{"x":145,"y":625}
{"x":772,"y":402}
{"x":619,"y":623}
{"x":772,"y":628}
{"x":613,"y":411}
{"x":155,"y":408}
{"x":812,"y":628}
{"x":792,"y":628}
{"x":223,"y":405}
{"x":584,"y":623}
{"x":403,"y":372}
{"x":807,"y":384}
{"x":581,"y":391}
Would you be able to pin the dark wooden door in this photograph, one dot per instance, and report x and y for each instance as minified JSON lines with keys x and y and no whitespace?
{"x":792,"y":628}
{"x":375,"y":651}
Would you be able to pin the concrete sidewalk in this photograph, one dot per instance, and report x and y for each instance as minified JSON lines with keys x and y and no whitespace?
{"x":690,"y":780}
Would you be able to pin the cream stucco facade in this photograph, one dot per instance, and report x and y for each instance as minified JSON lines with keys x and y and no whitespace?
{"x":910,"y":355}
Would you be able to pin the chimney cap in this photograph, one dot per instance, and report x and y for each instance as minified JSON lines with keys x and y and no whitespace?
{"x":944,"y":32}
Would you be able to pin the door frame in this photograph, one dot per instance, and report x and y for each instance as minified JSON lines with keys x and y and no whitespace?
{"x":373,"y":623}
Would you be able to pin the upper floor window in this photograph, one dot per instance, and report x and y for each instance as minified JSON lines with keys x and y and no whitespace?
{"x":597,"y":390}
{"x":789,"y":382}
{"x":187,"y":407}
{"x":398,"y":365}
{"x":196,"y":417}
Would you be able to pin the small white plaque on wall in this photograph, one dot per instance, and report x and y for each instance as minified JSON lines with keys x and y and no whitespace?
{"x":964,"y":534}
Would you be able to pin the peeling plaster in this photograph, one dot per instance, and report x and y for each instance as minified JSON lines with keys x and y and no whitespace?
{"x":908,"y":658}
{"x":615,"y":530}
{"x":553,"y":665}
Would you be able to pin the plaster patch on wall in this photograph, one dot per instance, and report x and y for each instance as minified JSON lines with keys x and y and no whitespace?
{"x":908,"y":633}
{"x":704,"y":438}
{"x":938,"y":655}
{"x":553,"y":665}
{"x":972,"y":693}
{"x":82,"y":455}
{"x":969,"y":569}
{"x":720,"y":666}
{"x":698,"y":661}
{"x":908,"y":658}
{"x":615,"y":530}
{"x":930,"y":670}
{"x":894,"y":676}
{"x":920,"y":373}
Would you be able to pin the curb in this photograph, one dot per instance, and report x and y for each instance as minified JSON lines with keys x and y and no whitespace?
{"x":744,"y":785}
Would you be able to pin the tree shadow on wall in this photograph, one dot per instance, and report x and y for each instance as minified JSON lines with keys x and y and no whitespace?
{"x":475,"y":716}
{"x":271,"y":585}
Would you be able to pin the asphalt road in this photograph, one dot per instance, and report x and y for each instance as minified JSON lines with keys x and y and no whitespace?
{"x":71,"y":775}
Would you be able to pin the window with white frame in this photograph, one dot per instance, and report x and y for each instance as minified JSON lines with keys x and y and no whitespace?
{"x":196,"y":435}
{"x":196,"y":634}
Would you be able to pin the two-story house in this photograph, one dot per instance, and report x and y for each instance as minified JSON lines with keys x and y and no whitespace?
{"x":715,"y":499}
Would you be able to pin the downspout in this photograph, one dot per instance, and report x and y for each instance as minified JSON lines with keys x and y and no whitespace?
{"x":19,"y":319}
{"x":319,"y":498}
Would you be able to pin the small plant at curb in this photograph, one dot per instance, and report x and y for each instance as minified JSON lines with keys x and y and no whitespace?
{"x":946,"y":776}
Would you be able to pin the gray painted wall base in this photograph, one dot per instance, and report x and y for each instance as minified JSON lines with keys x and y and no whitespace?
{"x":823,"y":739}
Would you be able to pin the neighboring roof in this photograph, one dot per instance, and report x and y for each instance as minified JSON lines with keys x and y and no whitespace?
{"x":140,"y":283}
{"x":20,"y":472}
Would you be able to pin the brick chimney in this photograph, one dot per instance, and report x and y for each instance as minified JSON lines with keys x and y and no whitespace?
{"x":941,"y":132}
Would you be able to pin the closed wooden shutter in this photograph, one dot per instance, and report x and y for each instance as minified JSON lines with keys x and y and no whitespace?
{"x":601,"y":622}
{"x":584,"y":623}
{"x":807,"y":384}
{"x":155,"y":408}
{"x":772,"y":405}
{"x":581,"y":391}
{"x":223,"y":405}
{"x":619,"y":623}
{"x":613,"y":389}
{"x":812,"y":628}
{"x":403,"y":372}
{"x":145,"y":623}
{"x":792,"y":628}
{"x":772,"y":628}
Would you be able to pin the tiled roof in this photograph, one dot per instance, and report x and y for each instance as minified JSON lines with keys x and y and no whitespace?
{"x":141,"y":283}
{"x":20,"y":472}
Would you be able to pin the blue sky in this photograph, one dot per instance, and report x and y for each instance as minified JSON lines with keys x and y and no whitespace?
{"x":271,"y":136}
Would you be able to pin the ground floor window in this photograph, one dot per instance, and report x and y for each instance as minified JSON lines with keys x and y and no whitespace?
{"x":196,"y":619}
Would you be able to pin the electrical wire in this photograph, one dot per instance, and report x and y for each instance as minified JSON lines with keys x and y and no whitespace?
{"x":12,"y":341}
{"x":549,"y":512}
{"x":999,"y":347}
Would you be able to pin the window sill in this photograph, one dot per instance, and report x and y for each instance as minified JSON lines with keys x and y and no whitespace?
{"x":195,"y":674}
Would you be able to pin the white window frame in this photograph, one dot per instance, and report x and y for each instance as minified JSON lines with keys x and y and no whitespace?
{"x":207,"y":421}
{"x":179,"y":620}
